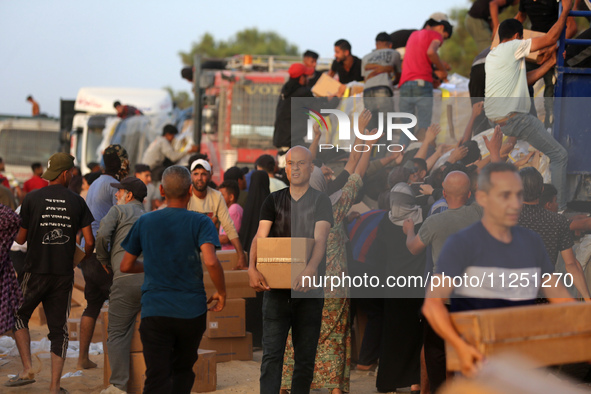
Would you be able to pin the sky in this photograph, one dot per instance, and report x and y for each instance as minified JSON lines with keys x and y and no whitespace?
{"x":50,"y":49}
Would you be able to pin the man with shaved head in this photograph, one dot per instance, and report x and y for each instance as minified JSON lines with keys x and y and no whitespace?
{"x":297,"y":211}
{"x":435,"y":231}
{"x":174,"y":303}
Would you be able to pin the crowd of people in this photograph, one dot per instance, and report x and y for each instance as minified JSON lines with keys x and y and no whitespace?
{"x":434,"y":210}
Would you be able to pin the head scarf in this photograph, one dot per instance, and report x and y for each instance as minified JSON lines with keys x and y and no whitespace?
{"x":257,"y":193}
{"x":318,"y":182}
{"x":116,"y":161}
{"x":403,"y":205}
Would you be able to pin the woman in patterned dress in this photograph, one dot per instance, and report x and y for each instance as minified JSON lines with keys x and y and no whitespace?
{"x":11,"y":296}
{"x":333,"y":357}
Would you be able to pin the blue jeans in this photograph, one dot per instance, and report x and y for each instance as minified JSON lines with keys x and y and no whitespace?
{"x":379,"y":100}
{"x":304,"y":316}
{"x":529,"y":128}
{"x":417,"y":100}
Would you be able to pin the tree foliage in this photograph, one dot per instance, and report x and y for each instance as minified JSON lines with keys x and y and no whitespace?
{"x":181,"y":98}
{"x":249,"y":41}
{"x":460,"y":50}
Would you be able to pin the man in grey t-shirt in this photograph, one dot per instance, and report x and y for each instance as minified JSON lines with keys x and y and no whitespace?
{"x":378,"y":68}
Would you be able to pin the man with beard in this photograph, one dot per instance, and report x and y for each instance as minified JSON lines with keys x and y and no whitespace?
{"x":126,"y":291}
{"x":210,"y":202}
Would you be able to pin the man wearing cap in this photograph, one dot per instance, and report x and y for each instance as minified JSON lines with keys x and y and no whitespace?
{"x":378,"y":68}
{"x":210,"y":202}
{"x":126,"y":292}
{"x":285,"y":135}
{"x":100,"y":198}
{"x":161,"y":153}
{"x":143,"y":173}
{"x":416,"y":82}
{"x":51,"y":219}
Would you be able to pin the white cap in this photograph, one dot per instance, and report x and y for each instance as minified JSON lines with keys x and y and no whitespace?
{"x":439,"y":16}
{"x":202,"y":163}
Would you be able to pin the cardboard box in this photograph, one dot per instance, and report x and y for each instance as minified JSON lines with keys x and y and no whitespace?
{"x":229,"y":322}
{"x":74,"y":329}
{"x":545,"y":334}
{"x":280,"y":260}
{"x":326,"y":86}
{"x":79,"y":282}
{"x":136,"y":341}
{"x":204,"y":369}
{"x":527,"y":34}
{"x":229,"y":349}
{"x":228,"y":259}
{"x":237,"y":285}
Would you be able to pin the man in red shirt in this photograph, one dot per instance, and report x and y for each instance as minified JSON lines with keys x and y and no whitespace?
{"x":416,"y":82}
{"x":36,"y":182}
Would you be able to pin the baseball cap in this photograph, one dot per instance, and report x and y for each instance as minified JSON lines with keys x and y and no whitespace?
{"x":439,"y":17}
{"x":202,"y":163}
{"x":57,"y":164}
{"x":296,"y":70}
{"x":134,"y":185}
{"x":383,"y":37}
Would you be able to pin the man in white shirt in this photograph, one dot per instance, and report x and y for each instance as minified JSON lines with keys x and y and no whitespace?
{"x":210,"y":202}
{"x":267,"y":163}
{"x":507,"y":102}
{"x":161,"y":154}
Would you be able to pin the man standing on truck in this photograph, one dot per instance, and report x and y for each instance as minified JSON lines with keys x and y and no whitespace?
{"x":35,"y":108}
{"x":161,"y":154}
{"x":507,"y":102}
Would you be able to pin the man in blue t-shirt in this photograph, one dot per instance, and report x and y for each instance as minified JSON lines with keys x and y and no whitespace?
{"x":494,"y":251}
{"x":174,"y":304}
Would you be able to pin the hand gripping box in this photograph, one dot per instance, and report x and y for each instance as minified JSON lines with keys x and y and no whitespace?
{"x":281,"y":260}
{"x":545,"y":334}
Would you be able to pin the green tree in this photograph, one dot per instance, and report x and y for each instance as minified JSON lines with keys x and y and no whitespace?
{"x":181,"y":98}
{"x":248,"y":41}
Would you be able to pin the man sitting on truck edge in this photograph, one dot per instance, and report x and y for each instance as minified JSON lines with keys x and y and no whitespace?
{"x":126,"y":111}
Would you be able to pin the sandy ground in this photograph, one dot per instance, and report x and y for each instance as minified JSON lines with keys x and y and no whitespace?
{"x":232,"y":377}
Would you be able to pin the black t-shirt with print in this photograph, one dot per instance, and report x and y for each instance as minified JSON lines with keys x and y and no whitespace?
{"x":52,"y":217}
{"x":293,"y":218}
{"x":354,"y":74}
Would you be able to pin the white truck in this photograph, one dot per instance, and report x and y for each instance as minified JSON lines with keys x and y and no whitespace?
{"x":96,"y":125}
{"x":24,"y":141}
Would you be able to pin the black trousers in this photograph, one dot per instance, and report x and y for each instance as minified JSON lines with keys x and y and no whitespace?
{"x":170,"y":351}
{"x":55,"y":293}
{"x":434,"y":347}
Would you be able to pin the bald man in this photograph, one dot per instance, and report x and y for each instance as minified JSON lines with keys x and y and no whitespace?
{"x":297,"y":211}
{"x":435,"y":231}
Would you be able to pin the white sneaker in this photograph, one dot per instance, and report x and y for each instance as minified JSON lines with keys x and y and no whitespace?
{"x":113,"y":390}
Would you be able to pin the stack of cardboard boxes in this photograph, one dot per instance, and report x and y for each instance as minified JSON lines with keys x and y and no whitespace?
{"x":226,"y":330}
{"x":204,"y":368}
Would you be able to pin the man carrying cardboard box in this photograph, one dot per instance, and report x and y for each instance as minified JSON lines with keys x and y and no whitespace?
{"x":297,"y":211}
{"x":174,"y":303}
{"x":495,"y":249}
{"x":126,"y":290}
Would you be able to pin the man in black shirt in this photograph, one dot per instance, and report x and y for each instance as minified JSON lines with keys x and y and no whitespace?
{"x":345,"y":65}
{"x":297,"y":211}
{"x":284,"y":135}
{"x":483,"y":20}
{"x":51,"y":218}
